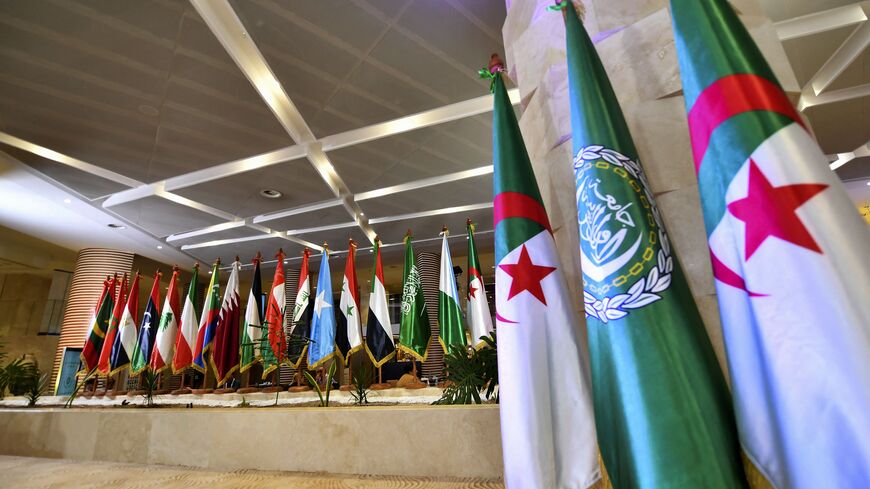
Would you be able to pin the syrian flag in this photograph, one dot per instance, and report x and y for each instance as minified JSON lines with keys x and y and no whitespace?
{"x":379,"y":332}
{"x":164,"y":342}
{"x":302,"y":314}
{"x":252,"y":332}
{"x":125,"y":341}
{"x":415,"y":331}
{"x":105,"y":364}
{"x":90,"y":355}
{"x":225,"y":354}
{"x":322,"y":346}
{"x":547,"y":426}
{"x":185,"y":343}
{"x":348,"y":336}
{"x":275,"y":344}
{"x":208,"y":319}
{"x":479,"y":317}
{"x":148,"y":330}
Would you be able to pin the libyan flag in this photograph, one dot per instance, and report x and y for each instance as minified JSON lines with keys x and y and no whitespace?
{"x":790,"y":259}
{"x":99,"y":324}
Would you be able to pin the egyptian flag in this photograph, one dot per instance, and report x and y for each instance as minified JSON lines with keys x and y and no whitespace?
{"x":252,"y":332}
{"x":275,"y":344}
{"x":148,"y":330}
{"x":478,"y":315}
{"x":225,"y":354}
{"x":185,"y":343}
{"x":105,"y":364}
{"x":379,"y":332}
{"x":303,"y":311}
{"x":348,"y":336}
{"x":125,"y":341}
{"x":167,"y":330}
{"x":790,"y":260}
{"x":90,"y":355}
{"x":208,"y":320}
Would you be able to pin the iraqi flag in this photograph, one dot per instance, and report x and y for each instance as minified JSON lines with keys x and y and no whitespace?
{"x":125,"y":341}
{"x":275,"y":344}
{"x":208,"y":320}
{"x":147,"y":330}
{"x":105,"y":363}
{"x":185,"y":343}
{"x":547,"y":426}
{"x":322,"y":346}
{"x":225,"y":353}
{"x":478,"y":315}
{"x":379,"y":332}
{"x":302,"y":314}
{"x":348,"y":335}
{"x":790,"y":259}
{"x":252,"y":331}
{"x":90,"y":355}
{"x":167,"y":330}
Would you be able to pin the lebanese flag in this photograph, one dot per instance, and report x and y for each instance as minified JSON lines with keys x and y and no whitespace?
{"x":348,"y":336}
{"x":90,"y":355}
{"x":790,"y":259}
{"x":225,"y":354}
{"x":185,"y":343}
{"x":277,"y":342}
{"x":208,"y":320}
{"x":105,"y":363}
{"x":125,"y":341}
{"x":478,"y":315}
{"x":164,"y":342}
{"x":379,"y":331}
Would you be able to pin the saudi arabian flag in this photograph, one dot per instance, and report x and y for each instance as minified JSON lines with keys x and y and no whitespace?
{"x":164,"y":342}
{"x":148,"y":329}
{"x":452,"y":332}
{"x":547,"y":427}
{"x":790,"y":259}
{"x":414,"y":329}
{"x":185,"y":343}
{"x":676,"y":427}
{"x":252,"y":332}
{"x":99,"y":324}
{"x":348,"y":334}
{"x":479,"y":317}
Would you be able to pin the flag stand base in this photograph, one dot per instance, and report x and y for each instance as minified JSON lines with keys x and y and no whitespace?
{"x":200,"y":392}
{"x":273,"y":389}
{"x":298,"y":388}
{"x":100,"y":393}
{"x":224,"y":390}
{"x":180,"y":391}
{"x":346,"y":387}
{"x":134,"y":393}
{"x":247,"y":390}
{"x":380,"y":387}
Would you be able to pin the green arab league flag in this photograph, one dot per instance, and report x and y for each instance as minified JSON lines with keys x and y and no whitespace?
{"x":662,"y":409}
{"x":414,"y":330}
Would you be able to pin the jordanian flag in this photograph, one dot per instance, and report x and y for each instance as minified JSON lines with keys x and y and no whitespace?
{"x":322,"y":346}
{"x":225,"y":353}
{"x":125,"y":341}
{"x":379,"y":331}
{"x":452,"y":332}
{"x":90,"y":355}
{"x":348,"y":335}
{"x":148,"y":330}
{"x":645,"y":333}
{"x":104,"y":365}
{"x":548,"y":432}
{"x":208,"y":320}
{"x":790,"y":259}
{"x":275,"y":344}
{"x":164,"y":342}
{"x":252,"y":331}
{"x":302,"y":313}
{"x":185,"y":343}
{"x":414,"y":328}
{"x":479,"y":317}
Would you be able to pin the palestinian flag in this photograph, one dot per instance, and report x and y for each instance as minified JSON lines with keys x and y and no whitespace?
{"x":479,"y":317}
{"x":645,"y":333}
{"x":90,"y":355}
{"x":789,"y":255}
{"x":548,"y":431}
{"x":185,"y":343}
{"x":164,"y":342}
{"x":322,"y":346}
{"x":208,"y":320}
{"x":302,"y":313}
{"x":225,"y":353}
{"x":348,"y":336}
{"x":415,"y":331}
{"x":274,"y":345}
{"x":252,"y":332}
{"x":105,"y":364}
{"x":379,"y":331}
{"x":452,"y":332}
{"x":125,"y":341}
{"x":148,"y":330}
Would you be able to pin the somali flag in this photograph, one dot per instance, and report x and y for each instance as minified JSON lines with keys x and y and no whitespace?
{"x":322,"y":346}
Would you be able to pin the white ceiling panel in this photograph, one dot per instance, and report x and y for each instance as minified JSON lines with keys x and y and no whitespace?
{"x":161,"y":217}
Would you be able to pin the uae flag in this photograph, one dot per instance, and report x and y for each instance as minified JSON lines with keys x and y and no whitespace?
{"x":415,"y":331}
{"x":125,"y":341}
{"x":302,"y":312}
{"x":452,"y":332}
{"x":548,"y":431}
{"x":479,"y":317}
{"x":208,"y":320}
{"x":348,"y":335}
{"x":147,"y":330}
{"x":275,"y":344}
{"x":646,"y":336}
{"x":252,"y":332}
{"x":105,"y":363}
{"x":90,"y":355}
{"x":379,"y":331}
{"x":185,"y":343}
{"x":164,"y":342}
{"x":790,"y":259}
{"x":225,"y":354}
{"x":322,"y":346}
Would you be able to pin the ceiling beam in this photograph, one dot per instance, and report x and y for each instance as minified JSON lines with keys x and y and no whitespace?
{"x":216,"y":228}
{"x":424,"y":182}
{"x":843,"y":158}
{"x":818,"y":22}
{"x":808,"y":100}
{"x":851,"y":48}
{"x":434,"y":212}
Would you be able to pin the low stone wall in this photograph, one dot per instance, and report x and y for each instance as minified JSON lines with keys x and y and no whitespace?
{"x":442,"y":441}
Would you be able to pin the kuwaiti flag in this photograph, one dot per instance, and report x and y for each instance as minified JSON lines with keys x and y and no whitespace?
{"x":348,"y":334}
{"x":275,"y":345}
{"x":252,"y":331}
{"x":208,"y":320}
{"x":148,"y":330}
{"x":105,"y":365}
{"x":790,"y":258}
{"x":125,"y":341}
{"x":225,"y":353}
{"x":379,"y":331}
{"x":164,"y":342}
{"x":302,"y":313}
{"x":548,"y":431}
{"x":185,"y":342}
{"x":479,"y":317}
{"x":322,"y":346}
{"x":451,"y":330}
{"x":90,"y":355}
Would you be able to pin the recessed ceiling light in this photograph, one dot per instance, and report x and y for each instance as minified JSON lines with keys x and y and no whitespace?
{"x":363,"y":213}
{"x":159,"y":247}
{"x":868,"y":182}
{"x":270,"y":193}
{"x":149,"y":110}
{"x":68,"y":201}
{"x":116,"y":226}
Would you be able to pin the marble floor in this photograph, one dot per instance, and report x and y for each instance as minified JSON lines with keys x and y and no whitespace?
{"x":43,"y":473}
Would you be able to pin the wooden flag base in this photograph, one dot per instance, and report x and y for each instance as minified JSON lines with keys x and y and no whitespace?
{"x":162,"y":392}
{"x":247,"y":390}
{"x":119,"y":393}
{"x":100,"y":393}
{"x":134,"y":393}
{"x":416,"y":385}
{"x":200,"y":392}
{"x":273,"y":389}
{"x":298,"y":388}
{"x":180,"y":391}
{"x":380,"y":387}
{"x":224,"y":390}
{"x":347,"y":387}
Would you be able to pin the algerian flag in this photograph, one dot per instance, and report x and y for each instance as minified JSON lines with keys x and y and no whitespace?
{"x":323,"y":324}
{"x":148,"y":329}
{"x":548,"y":431}
{"x":379,"y":331}
{"x":208,"y":320}
{"x":274,"y":344}
{"x":185,"y":343}
{"x":302,"y":312}
{"x":125,"y":342}
{"x":90,"y":354}
{"x":164,"y":342}
{"x":790,"y":259}
{"x":645,"y":333}
{"x":479,"y":317}
{"x":225,"y":352}
{"x":104,"y":364}
{"x":414,"y":329}
{"x":252,"y":332}
{"x":452,"y":333}
{"x":348,"y":336}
